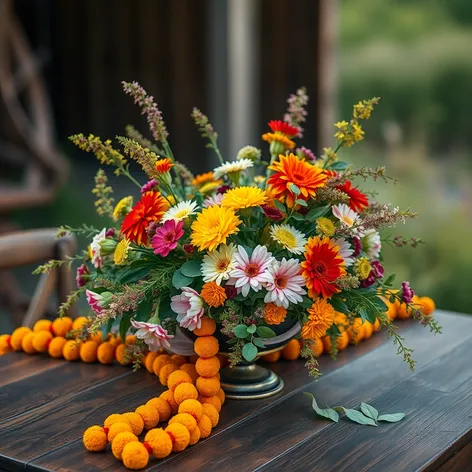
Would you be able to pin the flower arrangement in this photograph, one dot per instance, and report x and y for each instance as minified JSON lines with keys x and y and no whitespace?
{"x":265,"y":241}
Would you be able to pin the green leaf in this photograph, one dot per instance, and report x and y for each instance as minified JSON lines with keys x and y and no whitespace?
{"x":301,"y":202}
{"x":298,"y":217}
{"x":308,"y":302}
{"x":125,"y":323}
{"x":107,"y":328}
{"x":240,"y":331}
{"x":359,"y":417}
{"x":390,"y":279}
{"x":249,"y":352}
{"x":328,"y":413}
{"x":179,"y":280}
{"x":369,"y":411}
{"x":251,"y":329}
{"x":280,"y":206}
{"x":232,"y":341}
{"x":380,"y":304}
{"x":294,"y":189}
{"x":133,"y":274}
{"x":191,"y":269}
{"x":317,"y":212}
{"x":265,"y":332}
{"x":392,"y":417}
{"x":144,"y":310}
{"x":339,"y":165}
{"x":339,"y":305}
{"x":392,"y":299}
{"x":259,"y":343}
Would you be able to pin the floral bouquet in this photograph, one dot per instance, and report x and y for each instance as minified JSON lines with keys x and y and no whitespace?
{"x":276,"y":240}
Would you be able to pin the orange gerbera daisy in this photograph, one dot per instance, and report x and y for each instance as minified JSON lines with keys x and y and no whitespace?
{"x":281,"y":133}
{"x":164,"y":165}
{"x":322,"y":266}
{"x":357,"y":200}
{"x":150,"y":207}
{"x":320,"y":318}
{"x":213,"y":294}
{"x":201,"y":179}
{"x":290,"y":170}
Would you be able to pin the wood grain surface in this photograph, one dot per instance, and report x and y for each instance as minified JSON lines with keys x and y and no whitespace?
{"x":47,"y":404}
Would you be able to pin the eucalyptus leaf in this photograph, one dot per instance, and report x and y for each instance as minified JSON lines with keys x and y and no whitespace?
{"x":251,"y":329}
{"x":294,"y":189}
{"x":179,"y":280}
{"x":359,"y":417}
{"x":240,"y":331}
{"x":317,"y":212}
{"x":390,"y":279}
{"x":298,"y":217}
{"x":339,"y":165}
{"x":259,"y":343}
{"x":369,"y":411}
{"x":301,"y":202}
{"x":392,"y":417}
{"x":265,"y":332}
{"x":249,"y":352}
{"x":125,"y":323}
{"x":144,"y":310}
{"x":191,"y":269}
{"x":328,"y":413}
{"x":280,"y":206}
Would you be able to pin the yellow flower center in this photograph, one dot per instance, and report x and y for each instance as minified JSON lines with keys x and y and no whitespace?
{"x":181,"y":213}
{"x":222,"y":265}
{"x":286,"y":238}
{"x":349,"y":221}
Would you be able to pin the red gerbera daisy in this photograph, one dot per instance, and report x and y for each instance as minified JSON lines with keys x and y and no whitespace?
{"x":279,"y":126}
{"x":322,"y":266}
{"x":357,"y":200}
{"x":150,"y":207}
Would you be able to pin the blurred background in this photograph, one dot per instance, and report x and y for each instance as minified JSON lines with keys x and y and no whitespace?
{"x":61,"y":64}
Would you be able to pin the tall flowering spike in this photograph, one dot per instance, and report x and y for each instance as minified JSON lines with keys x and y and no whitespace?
{"x":104,"y":202}
{"x":143,"y":156}
{"x":296,"y":112}
{"x":149,"y":108}
{"x":207,"y":131}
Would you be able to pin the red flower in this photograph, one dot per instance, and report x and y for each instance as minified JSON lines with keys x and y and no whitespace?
{"x":357,"y":200}
{"x":150,"y":208}
{"x":278,"y":126}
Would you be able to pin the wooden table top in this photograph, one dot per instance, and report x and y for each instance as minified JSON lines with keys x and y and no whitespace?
{"x":46,"y":405}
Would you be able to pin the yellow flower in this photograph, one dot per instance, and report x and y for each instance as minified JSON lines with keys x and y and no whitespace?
{"x":362,"y":268}
{"x":349,"y":133}
{"x":325,"y":227}
{"x":201,"y":179}
{"x":210,"y":186}
{"x":362,"y":110}
{"x":122,"y":208}
{"x":213,"y":226}
{"x":320,"y":318}
{"x":243,"y":197}
{"x":121,"y":252}
{"x":278,"y":138}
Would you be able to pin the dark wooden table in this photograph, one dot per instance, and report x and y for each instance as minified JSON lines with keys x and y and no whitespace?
{"x":46,"y":405}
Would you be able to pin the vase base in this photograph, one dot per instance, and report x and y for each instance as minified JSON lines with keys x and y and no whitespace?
{"x":250,"y":382}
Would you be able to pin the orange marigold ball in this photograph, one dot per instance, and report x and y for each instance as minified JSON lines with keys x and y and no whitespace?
{"x":272,"y":357}
{"x":95,"y":439}
{"x":207,"y":367}
{"x":342,"y":342}
{"x":41,"y":341}
{"x":61,"y":326}
{"x":149,"y":414}
{"x":392,"y":310}
{"x":88,"y":352}
{"x":195,"y":436}
{"x":136,"y":422}
{"x":191,"y":370}
{"x":27,"y":344}
{"x":176,"y":378}
{"x":206,"y":346}
{"x":292,"y":350}
{"x":115,"y":340}
{"x":42,"y":325}
{"x":97,"y":337}
{"x":184,"y":392}
{"x":159,"y":362}
{"x":71,"y":350}
{"x":212,"y":413}
{"x":207,"y":327}
{"x":162,"y":407}
{"x":187,"y":420}
{"x":17,"y":336}
{"x":120,"y":355}
{"x":114,"y":418}
{"x":178,"y":360}
{"x":221,"y":395}
{"x":192,"y":407}
{"x":130,"y":339}
{"x":208,"y":386}
{"x":403,"y":311}
{"x":214,"y":401}
{"x":149,"y":359}
{"x":356,"y":332}
{"x":165,"y":372}
{"x":317,"y":347}
{"x":368,"y":329}
{"x":376,"y":325}
{"x":56,"y":347}
{"x":168,"y":396}
{"x":79,"y":322}
{"x":120,"y":441}
{"x":427,"y":304}
{"x":135,"y":456}
{"x":106,"y":353}
{"x":5,"y":344}
{"x":204,"y":425}
{"x":118,"y":427}
{"x":179,"y":435}
{"x":160,"y":442}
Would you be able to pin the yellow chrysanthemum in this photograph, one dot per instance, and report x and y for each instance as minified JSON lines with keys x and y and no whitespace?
{"x":210,"y":186}
{"x":243,"y":197}
{"x":121,"y":252}
{"x":362,"y":268}
{"x":213,"y":226}
{"x":122,"y":208}
{"x":325,"y":227}
{"x":320,"y":318}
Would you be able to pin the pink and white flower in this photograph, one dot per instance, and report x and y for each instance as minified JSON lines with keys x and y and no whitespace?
{"x":154,"y":335}
{"x":167,"y":237}
{"x":95,"y":248}
{"x":371,"y":243}
{"x":98,"y":302}
{"x":346,"y":251}
{"x":345,"y":215}
{"x":189,"y":308}
{"x":286,"y":285}
{"x":251,"y":272}
{"x":82,"y":275}
{"x":214,"y":199}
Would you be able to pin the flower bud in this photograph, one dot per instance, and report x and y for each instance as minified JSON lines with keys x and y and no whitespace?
{"x":107,"y":246}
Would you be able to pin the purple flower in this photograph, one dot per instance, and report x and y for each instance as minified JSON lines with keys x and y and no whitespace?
{"x":149,"y":186}
{"x":223,"y":189}
{"x":82,"y":275}
{"x":110,"y":233}
{"x":377,"y":269}
{"x":154,"y":335}
{"x":167,"y":237}
{"x":308,"y":154}
{"x":407,"y":292}
{"x":368,"y":281}
{"x":357,"y":245}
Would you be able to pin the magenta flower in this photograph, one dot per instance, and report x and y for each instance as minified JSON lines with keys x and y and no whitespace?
{"x":149,"y":185}
{"x":189,"y":308}
{"x":82,"y":275}
{"x":154,"y":335}
{"x":407,"y":292}
{"x":306,"y":153}
{"x":377,"y":269}
{"x":167,"y":237}
{"x":110,"y":233}
{"x":357,"y":245}
{"x":98,"y":302}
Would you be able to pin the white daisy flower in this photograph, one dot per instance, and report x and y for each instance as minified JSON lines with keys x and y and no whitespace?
{"x":230,"y":167}
{"x":345,"y":251}
{"x":180,"y":211}
{"x":289,"y":238}
{"x":96,"y":249}
{"x":344,"y":214}
{"x":371,"y":243}
{"x":217,"y":264}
